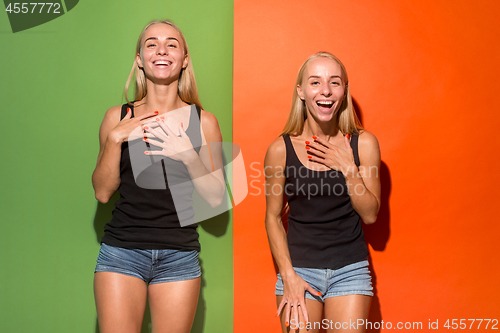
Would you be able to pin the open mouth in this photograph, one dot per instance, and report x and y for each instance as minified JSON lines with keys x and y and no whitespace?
{"x":324,"y":105}
{"x":162,"y":63}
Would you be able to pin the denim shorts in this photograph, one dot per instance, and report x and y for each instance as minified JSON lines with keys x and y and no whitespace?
{"x":152,"y":266}
{"x":353,"y":279}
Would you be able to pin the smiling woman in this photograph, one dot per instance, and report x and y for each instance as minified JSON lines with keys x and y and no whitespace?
{"x":146,"y":253}
{"x":322,"y":260}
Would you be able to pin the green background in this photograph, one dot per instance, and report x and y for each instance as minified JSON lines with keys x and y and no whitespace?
{"x":58,"y":79}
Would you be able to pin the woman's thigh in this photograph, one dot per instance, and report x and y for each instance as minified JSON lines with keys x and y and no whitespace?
{"x":120,"y":302}
{"x":173,"y":305}
{"x":343,"y":313}
{"x":314,"y":311}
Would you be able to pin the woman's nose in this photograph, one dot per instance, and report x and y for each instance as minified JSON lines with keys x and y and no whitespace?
{"x":162,"y":49}
{"x":327,"y":91}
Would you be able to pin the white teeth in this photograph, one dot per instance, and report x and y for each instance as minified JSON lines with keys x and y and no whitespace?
{"x":325,"y":103}
{"x":162,"y":62}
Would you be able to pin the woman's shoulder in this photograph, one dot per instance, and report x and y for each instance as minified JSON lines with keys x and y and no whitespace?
{"x":368,"y":147}
{"x":276,"y":153}
{"x":113,"y":115}
{"x":367,"y":140}
{"x":209,"y":123}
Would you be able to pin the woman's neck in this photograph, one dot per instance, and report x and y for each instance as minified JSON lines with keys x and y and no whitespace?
{"x":323,"y":130}
{"x":162,"y":98}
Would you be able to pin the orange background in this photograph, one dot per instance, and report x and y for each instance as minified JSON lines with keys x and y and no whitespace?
{"x":425,"y":78}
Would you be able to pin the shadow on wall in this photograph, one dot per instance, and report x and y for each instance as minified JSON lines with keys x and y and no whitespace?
{"x":216,"y":226}
{"x":377,"y":234}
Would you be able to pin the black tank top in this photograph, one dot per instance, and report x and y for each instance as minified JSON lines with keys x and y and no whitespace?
{"x":146,"y":218}
{"x":324,"y":230}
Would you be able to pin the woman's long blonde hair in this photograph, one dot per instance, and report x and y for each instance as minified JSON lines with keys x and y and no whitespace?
{"x":346,"y":116}
{"x":187,"y":90}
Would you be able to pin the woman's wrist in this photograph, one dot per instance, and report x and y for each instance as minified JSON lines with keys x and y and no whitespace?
{"x":350,"y":171}
{"x":285,"y":274}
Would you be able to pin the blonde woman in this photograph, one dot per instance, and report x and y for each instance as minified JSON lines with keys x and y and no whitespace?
{"x":326,"y":166}
{"x":145,"y":252}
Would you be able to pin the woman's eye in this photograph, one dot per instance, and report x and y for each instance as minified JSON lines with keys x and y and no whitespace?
{"x":336,"y":83}
{"x":314,"y":83}
{"x":151,"y":45}
{"x":172,"y":45}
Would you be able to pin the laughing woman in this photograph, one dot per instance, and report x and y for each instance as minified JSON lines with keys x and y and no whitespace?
{"x":330,"y":183}
{"x":145,"y":252}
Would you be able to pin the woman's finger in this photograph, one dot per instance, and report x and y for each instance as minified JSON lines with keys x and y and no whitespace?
{"x":316,"y":147}
{"x":323,"y":142}
{"x":154,"y":142}
{"x":287,"y":314}
{"x":303,"y":308}
{"x":280,"y":307}
{"x":313,"y":291}
{"x":128,"y":115}
{"x":165,"y":128}
{"x":347,"y":142}
{"x":315,"y":151}
{"x":156,"y":133}
{"x":147,"y":115}
{"x":295,"y":309}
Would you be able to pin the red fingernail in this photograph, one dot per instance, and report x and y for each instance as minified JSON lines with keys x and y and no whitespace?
{"x":307,"y":142}
{"x":347,"y":135}
{"x":146,"y":128}
{"x":309,"y":157}
{"x":162,"y":117}
{"x":156,"y":112}
{"x":146,"y":152}
{"x":307,"y":147}
{"x":157,"y":119}
{"x":182,"y":125}
{"x":320,"y":294}
{"x":128,"y":109}
{"x":145,"y":139}
{"x":315,"y":137}
{"x":286,"y":324}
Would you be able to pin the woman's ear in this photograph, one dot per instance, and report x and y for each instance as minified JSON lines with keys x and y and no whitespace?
{"x":185,"y":62}
{"x":138,"y":60}
{"x":300,"y":92}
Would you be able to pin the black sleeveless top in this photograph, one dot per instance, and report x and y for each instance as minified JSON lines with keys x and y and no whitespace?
{"x":324,"y":230}
{"x":145,"y":216}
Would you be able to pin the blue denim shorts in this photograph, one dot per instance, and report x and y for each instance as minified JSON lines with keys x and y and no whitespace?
{"x":353,"y":279}
{"x":152,"y":266}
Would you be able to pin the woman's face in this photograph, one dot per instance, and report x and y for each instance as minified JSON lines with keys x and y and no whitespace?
{"x":322,"y":88}
{"x":162,"y":53}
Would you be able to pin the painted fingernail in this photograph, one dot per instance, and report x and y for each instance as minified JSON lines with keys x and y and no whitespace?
{"x":128,"y":109}
{"x":157,"y":119}
{"x":146,"y":152}
{"x":146,"y":128}
{"x":156,"y":112}
{"x":307,"y":147}
{"x":286,"y":324}
{"x":307,"y":142}
{"x":145,"y":139}
{"x":315,"y":137}
{"x":309,"y":157}
{"x":320,"y":294}
{"x":347,"y":135}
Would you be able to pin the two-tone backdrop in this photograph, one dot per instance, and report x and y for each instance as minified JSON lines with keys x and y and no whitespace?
{"x":424,"y":77}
